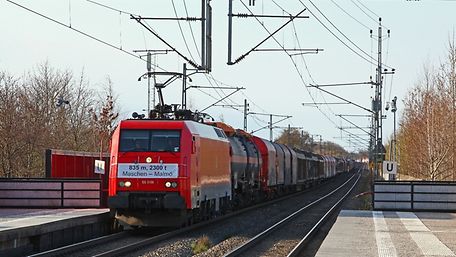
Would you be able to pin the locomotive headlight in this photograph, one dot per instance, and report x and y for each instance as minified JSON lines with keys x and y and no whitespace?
{"x":174,"y":184}
{"x":127,"y":183}
{"x":168,"y":184}
{"x":121,"y":183}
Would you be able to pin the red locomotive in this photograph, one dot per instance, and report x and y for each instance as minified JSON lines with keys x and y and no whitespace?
{"x":170,"y":172}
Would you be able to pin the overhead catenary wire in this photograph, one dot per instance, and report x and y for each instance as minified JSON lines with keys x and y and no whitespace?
{"x":86,"y":34}
{"x":120,"y":48}
{"x":208,"y":77}
{"x":244,"y":94}
{"x":103,"y":42}
{"x":370,"y":17}
{"x":294,"y":64}
{"x":305,"y":63}
{"x":120,"y":29}
{"x":369,"y":58}
{"x":199,"y":54}
{"x":351,"y":16}
{"x":182,"y":32}
{"x":77,"y":30}
{"x":308,"y":71}
{"x":392,"y":76}
{"x":196,"y":45}
{"x":69,"y":12}
{"x":361,"y":3}
{"x":191,"y":29}
{"x":148,"y":27}
{"x":343,"y":34}
{"x":303,"y":59}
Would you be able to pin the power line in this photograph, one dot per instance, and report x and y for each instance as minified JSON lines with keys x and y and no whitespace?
{"x":345,"y":44}
{"x":295,"y":65}
{"x":307,"y":68}
{"x":109,"y":7}
{"x":349,"y":40}
{"x":78,"y":31}
{"x":364,"y":11}
{"x":351,"y":16}
{"x":97,"y":39}
{"x":191,"y":30}
{"x":367,"y":8}
{"x":182,"y":32}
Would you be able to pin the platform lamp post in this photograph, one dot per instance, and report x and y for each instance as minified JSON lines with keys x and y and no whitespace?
{"x":394,"y":109}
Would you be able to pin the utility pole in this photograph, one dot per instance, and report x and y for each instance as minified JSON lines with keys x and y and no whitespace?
{"x":377,"y":145}
{"x":245,"y":106}
{"x":149,"y":69}
{"x":288,"y":136}
{"x":184,"y":86}
{"x":288,"y":18}
{"x":288,"y":129}
{"x":246,"y":112}
{"x":320,"y":149}
{"x":378,"y":98}
{"x":270,"y":127}
{"x":150,"y":73}
{"x":270,"y":123}
{"x":394,"y":109}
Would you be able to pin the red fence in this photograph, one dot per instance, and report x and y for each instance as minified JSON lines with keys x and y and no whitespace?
{"x":62,"y":164}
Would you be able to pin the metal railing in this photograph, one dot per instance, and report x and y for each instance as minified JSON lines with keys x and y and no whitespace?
{"x":414,"y":195}
{"x":50,"y":193}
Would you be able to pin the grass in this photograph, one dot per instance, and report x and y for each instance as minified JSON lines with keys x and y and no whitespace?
{"x":202,"y":244}
{"x":366,"y":203}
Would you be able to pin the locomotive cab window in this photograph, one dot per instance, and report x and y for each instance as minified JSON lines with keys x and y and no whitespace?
{"x":136,"y":140}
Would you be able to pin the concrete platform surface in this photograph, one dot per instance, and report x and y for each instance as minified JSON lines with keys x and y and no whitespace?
{"x":26,"y":231}
{"x":19,"y":218}
{"x":404,"y":234}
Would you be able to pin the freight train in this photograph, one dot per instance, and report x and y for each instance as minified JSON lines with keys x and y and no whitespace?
{"x":172,"y":172}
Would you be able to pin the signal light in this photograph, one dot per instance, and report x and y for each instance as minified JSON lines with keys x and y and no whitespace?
{"x":125,"y":184}
{"x":170,"y":184}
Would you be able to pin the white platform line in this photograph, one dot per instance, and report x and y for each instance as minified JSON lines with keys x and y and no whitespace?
{"x":385,"y":245}
{"x":428,"y":243}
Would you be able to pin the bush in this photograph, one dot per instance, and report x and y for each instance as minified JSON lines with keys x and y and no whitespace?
{"x":202,"y":244}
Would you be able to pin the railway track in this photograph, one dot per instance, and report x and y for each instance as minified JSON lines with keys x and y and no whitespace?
{"x":225,"y":232}
{"x":281,"y":239}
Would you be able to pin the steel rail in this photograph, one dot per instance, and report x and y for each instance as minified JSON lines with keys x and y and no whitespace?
{"x":65,"y":250}
{"x":81,"y":245}
{"x":157,"y":239}
{"x":251,"y":242}
{"x":301,"y":245}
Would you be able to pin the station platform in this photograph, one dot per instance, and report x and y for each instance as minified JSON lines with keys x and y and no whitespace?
{"x":390,"y":233}
{"x":26,"y":231}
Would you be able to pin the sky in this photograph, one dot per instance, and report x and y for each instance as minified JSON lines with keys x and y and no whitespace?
{"x":274,"y":82}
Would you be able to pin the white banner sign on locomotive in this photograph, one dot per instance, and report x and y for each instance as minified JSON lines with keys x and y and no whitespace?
{"x":149,"y":170}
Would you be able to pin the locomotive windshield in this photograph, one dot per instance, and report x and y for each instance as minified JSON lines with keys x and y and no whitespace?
{"x":138,"y":140}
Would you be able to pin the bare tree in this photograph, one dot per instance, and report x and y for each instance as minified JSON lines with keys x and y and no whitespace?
{"x":104,"y":117}
{"x":295,"y":139}
{"x":49,"y":108}
{"x":11,"y":145}
{"x":426,"y":136}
